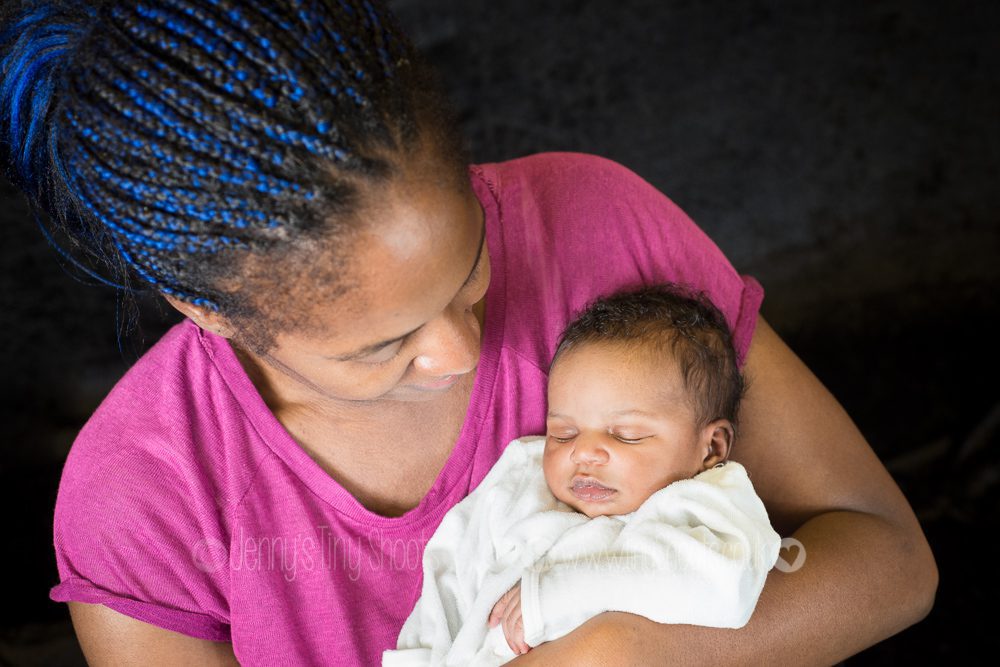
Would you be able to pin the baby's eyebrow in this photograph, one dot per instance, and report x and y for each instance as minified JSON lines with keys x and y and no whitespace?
{"x":617,"y":413}
{"x":629,"y":413}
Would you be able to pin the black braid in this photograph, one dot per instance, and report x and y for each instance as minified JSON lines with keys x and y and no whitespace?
{"x":174,"y":141}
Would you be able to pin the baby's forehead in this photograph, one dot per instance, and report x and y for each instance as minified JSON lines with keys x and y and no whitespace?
{"x":626,"y":357}
{"x":646,"y":378}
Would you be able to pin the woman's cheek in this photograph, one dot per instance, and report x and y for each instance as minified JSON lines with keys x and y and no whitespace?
{"x":366,"y":383}
{"x":395,"y":375}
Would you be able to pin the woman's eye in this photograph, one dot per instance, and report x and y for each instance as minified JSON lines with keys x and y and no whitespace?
{"x":383,"y":356}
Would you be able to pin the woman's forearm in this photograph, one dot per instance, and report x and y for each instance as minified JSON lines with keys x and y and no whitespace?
{"x":863,"y":579}
{"x":868,"y":573}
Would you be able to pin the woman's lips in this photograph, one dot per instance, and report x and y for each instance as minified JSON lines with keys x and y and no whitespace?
{"x":589,"y":489}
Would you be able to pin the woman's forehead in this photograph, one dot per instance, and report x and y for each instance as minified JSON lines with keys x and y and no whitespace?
{"x":410,"y":257}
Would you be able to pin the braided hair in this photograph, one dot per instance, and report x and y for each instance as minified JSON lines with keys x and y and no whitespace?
{"x":193,"y":146}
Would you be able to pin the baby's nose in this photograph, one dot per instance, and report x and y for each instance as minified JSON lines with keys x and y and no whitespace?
{"x":590,"y":450}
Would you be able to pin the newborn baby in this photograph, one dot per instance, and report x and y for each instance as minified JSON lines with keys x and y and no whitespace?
{"x":627,"y":503}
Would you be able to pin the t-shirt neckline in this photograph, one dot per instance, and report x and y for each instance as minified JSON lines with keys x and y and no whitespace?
{"x":458,"y":465}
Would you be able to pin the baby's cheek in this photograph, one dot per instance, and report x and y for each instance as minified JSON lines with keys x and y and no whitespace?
{"x":555,"y":479}
{"x":553,"y":469}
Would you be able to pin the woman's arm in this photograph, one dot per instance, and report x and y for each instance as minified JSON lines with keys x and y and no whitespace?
{"x":110,"y":638}
{"x":868,"y":573}
{"x":697,"y":551}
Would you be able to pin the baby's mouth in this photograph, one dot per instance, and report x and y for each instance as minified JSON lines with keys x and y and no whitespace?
{"x":589,"y":489}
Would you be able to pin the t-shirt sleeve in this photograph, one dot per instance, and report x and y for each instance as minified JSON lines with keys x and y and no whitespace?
{"x":136,"y":531}
{"x":595,"y":227}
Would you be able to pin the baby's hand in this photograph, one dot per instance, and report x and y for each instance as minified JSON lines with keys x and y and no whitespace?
{"x":508,"y":612}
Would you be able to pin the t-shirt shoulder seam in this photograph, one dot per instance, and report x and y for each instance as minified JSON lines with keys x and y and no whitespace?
{"x":269,"y":453}
{"x":526,"y":359}
{"x":252,"y":480}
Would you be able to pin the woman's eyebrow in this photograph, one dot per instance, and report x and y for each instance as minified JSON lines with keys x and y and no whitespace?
{"x":375,"y":347}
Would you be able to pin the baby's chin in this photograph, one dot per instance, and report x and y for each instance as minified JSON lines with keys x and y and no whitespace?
{"x":605,"y":511}
{"x":610,"y":507}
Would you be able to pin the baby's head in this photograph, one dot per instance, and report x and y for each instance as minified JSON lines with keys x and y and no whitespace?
{"x":643,"y":391}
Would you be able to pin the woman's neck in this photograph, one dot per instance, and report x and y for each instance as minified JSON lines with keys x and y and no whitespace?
{"x":385,"y":453}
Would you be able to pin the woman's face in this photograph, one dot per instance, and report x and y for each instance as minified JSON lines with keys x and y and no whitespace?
{"x":408,"y":328}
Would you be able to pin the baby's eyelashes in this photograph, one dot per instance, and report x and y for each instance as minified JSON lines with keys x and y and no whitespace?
{"x":630,"y":439}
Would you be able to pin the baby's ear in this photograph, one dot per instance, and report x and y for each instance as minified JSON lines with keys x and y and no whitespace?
{"x":717,"y":440}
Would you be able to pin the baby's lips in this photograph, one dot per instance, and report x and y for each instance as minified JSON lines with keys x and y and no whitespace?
{"x":589,"y":483}
{"x":589,"y":490}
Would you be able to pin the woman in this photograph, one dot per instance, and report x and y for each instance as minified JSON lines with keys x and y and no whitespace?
{"x":368,"y":323}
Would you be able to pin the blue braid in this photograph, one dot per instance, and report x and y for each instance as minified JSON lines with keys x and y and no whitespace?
{"x":197,"y":127}
{"x":32,"y":67}
{"x":36,"y":46}
{"x":72,"y":260}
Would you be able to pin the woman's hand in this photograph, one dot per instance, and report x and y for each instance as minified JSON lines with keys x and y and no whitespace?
{"x":507,"y":611}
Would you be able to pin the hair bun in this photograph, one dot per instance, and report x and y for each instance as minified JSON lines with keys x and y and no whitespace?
{"x":37,"y":40}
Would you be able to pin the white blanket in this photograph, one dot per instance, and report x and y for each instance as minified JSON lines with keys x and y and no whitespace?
{"x":695,"y":552}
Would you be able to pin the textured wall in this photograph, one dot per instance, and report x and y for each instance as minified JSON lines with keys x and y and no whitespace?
{"x":845,"y":153}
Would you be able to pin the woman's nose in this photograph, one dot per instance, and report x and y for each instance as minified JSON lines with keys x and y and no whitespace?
{"x":589,"y":450}
{"x":450,"y":344}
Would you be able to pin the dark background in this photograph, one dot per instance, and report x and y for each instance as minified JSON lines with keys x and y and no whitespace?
{"x":844,"y":153}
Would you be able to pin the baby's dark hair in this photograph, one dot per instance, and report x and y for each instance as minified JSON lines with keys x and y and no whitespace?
{"x":668,"y":319}
{"x":197,"y":146}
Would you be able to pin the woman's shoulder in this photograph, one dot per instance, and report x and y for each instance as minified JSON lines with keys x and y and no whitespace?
{"x":577,"y":163}
{"x":556,"y":171}
{"x":575,"y":226}
{"x":156,"y":395}
{"x":143,"y":513}
{"x":150,"y":489}
{"x":166,"y":427}
{"x":579,"y":207}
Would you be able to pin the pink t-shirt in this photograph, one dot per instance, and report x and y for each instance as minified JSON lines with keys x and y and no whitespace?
{"x":184,"y":502}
